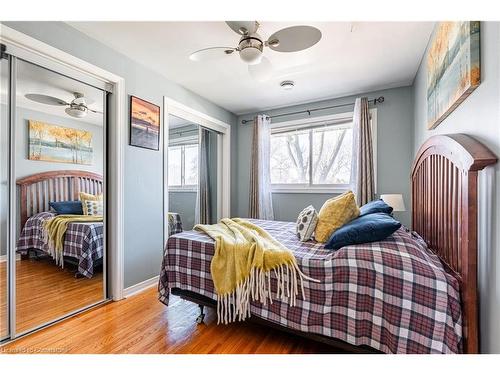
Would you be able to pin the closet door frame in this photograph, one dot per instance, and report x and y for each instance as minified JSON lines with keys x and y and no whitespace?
{"x":32,"y":50}
{"x":173,"y":107}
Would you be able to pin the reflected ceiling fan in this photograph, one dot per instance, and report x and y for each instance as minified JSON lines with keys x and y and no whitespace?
{"x":78,"y":107}
{"x":251,"y":46}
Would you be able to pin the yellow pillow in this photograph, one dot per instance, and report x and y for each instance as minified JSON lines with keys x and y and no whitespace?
{"x":335,"y":213}
{"x":89,"y":197}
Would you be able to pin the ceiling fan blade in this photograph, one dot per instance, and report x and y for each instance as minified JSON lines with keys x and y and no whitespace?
{"x":243,"y":27}
{"x":261,"y":72}
{"x":212,"y":53}
{"x":295,"y":38}
{"x":82,"y":99}
{"x":45,"y":99}
{"x":94,"y":111}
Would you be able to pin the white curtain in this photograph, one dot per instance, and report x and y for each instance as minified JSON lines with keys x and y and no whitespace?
{"x":261,"y":204}
{"x":362,"y":175}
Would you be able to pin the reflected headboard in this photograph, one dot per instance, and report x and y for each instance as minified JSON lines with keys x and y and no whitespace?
{"x":444,"y":212}
{"x":37,"y":190}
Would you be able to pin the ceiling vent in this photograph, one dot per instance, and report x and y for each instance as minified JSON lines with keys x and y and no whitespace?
{"x":287,"y":85}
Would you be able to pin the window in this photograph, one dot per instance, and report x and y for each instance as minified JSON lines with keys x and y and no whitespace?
{"x":183,"y":166}
{"x":311,"y":156}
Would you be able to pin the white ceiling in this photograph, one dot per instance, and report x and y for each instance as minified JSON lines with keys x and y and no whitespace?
{"x":32,"y":79}
{"x":351,"y":58}
{"x":177,"y":122}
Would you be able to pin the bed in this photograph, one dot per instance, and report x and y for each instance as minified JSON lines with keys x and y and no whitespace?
{"x":414,"y":292}
{"x":83,"y":242}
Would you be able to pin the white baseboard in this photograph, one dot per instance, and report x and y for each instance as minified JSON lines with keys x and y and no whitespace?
{"x":3,"y":258}
{"x":139,"y":287}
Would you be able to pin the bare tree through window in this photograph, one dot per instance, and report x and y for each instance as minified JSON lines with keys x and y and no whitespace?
{"x":317,"y":156}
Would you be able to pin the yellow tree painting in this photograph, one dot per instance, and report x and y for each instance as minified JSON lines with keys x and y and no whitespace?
{"x":59,"y":144}
{"x":453,"y":68}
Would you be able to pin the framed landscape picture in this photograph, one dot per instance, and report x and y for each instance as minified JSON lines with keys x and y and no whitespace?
{"x":453,"y":68}
{"x":144,"y":124}
{"x":59,"y":144}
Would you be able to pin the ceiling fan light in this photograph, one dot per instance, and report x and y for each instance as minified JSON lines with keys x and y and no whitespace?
{"x":250,"y":48}
{"x":251,"y":55}
{"x":76,"y":112}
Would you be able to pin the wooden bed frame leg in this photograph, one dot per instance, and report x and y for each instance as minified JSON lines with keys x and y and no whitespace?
{"x":201,"y":317}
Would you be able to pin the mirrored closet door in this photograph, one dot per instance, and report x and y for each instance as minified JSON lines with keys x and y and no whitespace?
{"x":56,"y":175}
{"x":4,"y":199}
{"x":192,"y":175}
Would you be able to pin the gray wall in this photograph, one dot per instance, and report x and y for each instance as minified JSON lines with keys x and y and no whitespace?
{"x":394,"y":136}
{"x":184,"y":203}
{"x":143,"y":214}
{"x":478,"y":116}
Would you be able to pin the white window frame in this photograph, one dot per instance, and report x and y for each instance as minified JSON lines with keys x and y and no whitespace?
{"x":305,"y":123}
{"x":183,"y":188}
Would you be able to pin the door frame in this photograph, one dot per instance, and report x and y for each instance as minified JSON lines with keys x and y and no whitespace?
{"x":117,"y":123}
{"x":173,"y":107}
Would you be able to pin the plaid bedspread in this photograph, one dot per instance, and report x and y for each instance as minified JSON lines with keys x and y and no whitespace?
{"x":392,"y":295}
{"x":83,"y":241}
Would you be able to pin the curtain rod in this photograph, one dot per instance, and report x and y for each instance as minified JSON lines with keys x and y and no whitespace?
{"x":374,"y":101}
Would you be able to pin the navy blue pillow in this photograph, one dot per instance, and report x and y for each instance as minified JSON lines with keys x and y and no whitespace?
{"x":367,"y":228}
{"x":67,"y":207}
{"x":375,"y":206}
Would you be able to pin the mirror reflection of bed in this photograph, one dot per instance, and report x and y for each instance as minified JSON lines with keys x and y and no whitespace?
{"x":55,"y":280}
{"x":192,"y":174}
{"x":59,"y":165}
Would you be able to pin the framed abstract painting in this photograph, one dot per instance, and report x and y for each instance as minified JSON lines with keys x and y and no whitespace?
{"x":144,"y":124}
{"x":59,"y":144}
{"x":453,"y":68}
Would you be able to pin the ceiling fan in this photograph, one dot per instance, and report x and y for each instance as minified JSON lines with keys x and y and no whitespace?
{"x":78,"y":107}
{"x":251,"y":46}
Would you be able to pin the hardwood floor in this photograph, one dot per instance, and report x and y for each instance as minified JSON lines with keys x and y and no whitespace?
{"x":45,"y":292}
{"x":3,"y":300}
{"x":141,"y":324}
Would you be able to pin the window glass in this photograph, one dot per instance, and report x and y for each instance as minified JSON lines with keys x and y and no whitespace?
{"x":191,"y":165}
{"x":317,"y":156}
{"x":332,"y":155}
{"x":175,"y":166}
{"x":290,"y":158}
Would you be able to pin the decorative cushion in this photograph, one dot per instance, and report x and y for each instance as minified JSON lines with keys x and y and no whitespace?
{"x":335,"y":212}
{"x":306,"y":223}
{"x":92,"y":204}
{"x":367,"y":228}
{"x":67,"y":207}
{"x":375,"y":206}
{"x":94,"y":207}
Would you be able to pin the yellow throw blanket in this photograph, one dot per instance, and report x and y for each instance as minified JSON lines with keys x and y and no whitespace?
{"x":55,"y":229}
{"x":245,"y":255}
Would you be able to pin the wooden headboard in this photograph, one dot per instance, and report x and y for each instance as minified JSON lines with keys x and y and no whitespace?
{"x":445,"y":204}
{"x":37,"y":190}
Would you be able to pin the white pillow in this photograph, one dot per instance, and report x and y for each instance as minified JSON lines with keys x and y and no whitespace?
{"x":306,"y":223}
